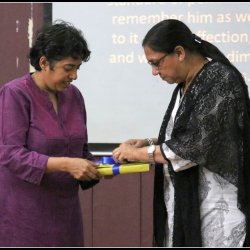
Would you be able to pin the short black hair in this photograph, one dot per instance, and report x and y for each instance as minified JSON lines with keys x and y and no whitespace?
{"x":57,"y":41}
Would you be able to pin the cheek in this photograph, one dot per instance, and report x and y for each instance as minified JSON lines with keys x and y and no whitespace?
{"x":170,"y":70}
{"x":177,"y":75}
{"x":172,"y":73}
{"x":174,"y":69}
{"x":57,"y":80}
{"x":57,"y":75}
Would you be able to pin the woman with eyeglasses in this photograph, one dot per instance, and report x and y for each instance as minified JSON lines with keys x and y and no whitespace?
{"x":44,"y":156}
{"x":202,"y":153}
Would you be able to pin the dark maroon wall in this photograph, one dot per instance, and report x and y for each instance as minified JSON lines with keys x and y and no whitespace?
{"x":16,"y":21}
{"x":118,"y":212}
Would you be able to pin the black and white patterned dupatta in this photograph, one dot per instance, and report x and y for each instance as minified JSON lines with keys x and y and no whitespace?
{"x":212,"y":129}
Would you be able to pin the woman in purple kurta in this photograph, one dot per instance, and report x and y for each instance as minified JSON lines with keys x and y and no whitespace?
{"x":43,"y":146}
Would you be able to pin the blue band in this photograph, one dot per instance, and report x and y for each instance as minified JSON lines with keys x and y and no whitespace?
{"x":116,"y":169}
{"x":107,"y":160}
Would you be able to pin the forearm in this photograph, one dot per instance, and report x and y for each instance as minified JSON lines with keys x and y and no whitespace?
{"x":80,"y":169}
{"x":141,"y":155}
{"x":57,"y":164}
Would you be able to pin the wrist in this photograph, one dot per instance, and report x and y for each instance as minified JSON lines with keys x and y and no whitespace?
{"x":151,"y":150}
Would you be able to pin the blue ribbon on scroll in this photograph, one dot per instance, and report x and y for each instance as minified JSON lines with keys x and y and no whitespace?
{"x":109,"y":167}
{"x":110,"y":160}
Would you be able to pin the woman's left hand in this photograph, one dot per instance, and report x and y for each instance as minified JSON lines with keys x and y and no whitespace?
{"x":124,"y":153}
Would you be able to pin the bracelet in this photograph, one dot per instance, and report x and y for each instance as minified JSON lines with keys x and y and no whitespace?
{"x":150,"y":141}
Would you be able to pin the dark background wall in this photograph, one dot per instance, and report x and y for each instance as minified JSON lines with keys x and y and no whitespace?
{"x":117,"y":212}
{"x":18,"y":24}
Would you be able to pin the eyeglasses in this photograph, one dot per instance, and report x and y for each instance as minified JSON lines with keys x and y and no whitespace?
{"x":156,"y":64}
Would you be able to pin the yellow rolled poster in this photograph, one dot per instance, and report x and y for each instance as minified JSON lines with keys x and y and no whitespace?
{"x":109,"y":167}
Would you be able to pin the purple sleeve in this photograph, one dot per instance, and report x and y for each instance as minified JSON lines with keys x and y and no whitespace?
{"x":14,"y":124}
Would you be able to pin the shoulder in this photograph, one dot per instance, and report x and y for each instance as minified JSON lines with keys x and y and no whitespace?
{"x":217,"y":74}
{"x":17,"y":86}
{"x":15,"y":92}
{"x":222,"y":80}
{"x":221,"y":71}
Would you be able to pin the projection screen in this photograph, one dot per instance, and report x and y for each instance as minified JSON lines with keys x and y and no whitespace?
{"x":123,"y":99}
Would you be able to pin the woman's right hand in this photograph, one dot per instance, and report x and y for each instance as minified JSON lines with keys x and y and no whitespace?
{"x":83,"y":169}
{"x":80,"y":169}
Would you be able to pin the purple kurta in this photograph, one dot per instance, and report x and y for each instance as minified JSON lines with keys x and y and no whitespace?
{"x":39,"y":209}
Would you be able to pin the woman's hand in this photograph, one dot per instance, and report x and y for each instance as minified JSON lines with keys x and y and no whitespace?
{"x":82,"y":169}
{"x":125,"y":152}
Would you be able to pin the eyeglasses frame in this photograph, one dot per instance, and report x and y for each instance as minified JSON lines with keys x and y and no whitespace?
{"x":156,"y":64}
